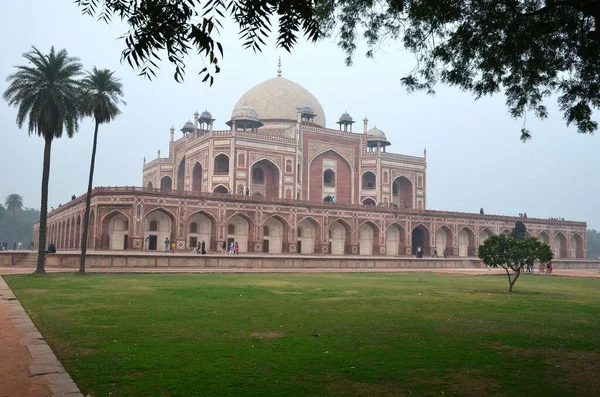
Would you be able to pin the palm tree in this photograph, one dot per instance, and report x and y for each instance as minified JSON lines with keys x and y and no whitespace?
{"x":46,"y":94}
{"x":101,"y":98}
{"x":14,"y":203}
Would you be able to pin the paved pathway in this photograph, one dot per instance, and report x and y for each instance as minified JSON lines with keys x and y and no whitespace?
{"x":29,"y":368}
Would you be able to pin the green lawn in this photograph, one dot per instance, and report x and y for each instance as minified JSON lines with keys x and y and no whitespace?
{"x":320,"y":334}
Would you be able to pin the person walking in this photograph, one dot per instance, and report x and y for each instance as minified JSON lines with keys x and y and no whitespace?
{"x":236,"y":249}
{"x":231,"y":248}
{"x":173,"y":247}
{"x":224,"y":247}
{"x":167,"y":244}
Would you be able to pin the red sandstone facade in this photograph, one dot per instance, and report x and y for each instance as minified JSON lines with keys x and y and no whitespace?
{"x":278,"y":181}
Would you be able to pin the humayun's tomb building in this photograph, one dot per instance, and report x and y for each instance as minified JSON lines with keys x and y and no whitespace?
{"x":279,"y":181}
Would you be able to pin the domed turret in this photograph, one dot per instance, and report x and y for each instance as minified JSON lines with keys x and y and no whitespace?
{"x":187,"y":128}
{"x":244,"y":117}
{"x":376,"y":138}
{"x":307,"y":114}
{"x":345,"y":121}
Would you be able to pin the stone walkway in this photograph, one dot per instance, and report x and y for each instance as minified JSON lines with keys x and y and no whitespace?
{"x":28,"y":367}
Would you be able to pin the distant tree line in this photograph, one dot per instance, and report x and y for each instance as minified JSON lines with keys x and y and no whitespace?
{"x":16,"y":222}
{"x":593,"y":244}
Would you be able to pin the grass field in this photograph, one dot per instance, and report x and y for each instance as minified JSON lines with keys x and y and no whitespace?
{"x":320,"y":334}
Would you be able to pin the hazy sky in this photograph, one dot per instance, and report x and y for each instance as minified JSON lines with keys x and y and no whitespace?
{"x":475,"y":158}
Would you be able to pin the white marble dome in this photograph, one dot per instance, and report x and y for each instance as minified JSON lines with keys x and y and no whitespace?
{"x":279,"y":99}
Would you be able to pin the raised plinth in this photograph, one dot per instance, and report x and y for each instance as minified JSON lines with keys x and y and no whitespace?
{"x":265,"y":261}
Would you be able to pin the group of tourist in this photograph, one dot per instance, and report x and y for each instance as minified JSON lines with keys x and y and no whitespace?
{"x":17,"y":246}
{"x":434,"y":253}
{"x":234,"y":248}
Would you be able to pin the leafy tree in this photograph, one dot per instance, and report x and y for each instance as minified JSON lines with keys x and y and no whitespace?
{"x":18,"y":229}
{"x":101,"y":98}
{"x":513,"y":254}
{"x":46,"y":94}
{"x":14,"y":203}
{"x":528,"y":49}
{"x":519,"y":231}
{"x":593,"y":244}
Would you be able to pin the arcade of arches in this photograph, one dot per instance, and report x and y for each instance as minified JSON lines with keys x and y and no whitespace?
{"x":274,"y":235}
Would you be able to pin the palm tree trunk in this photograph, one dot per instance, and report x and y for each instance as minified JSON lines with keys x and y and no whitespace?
{"x":44,"y":207}
{"x":88,"y":201}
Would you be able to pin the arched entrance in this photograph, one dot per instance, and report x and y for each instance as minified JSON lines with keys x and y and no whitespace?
{"x":544,"y":238}
{"x":307,"y":232}
{"x":576,"y":246}
{"x":150,"y":185}
{"x":560,"y":246}
{"x":78,"y":232}
{"x":221,"y":164}
{"x":420,"y":238}
{"x":115,"y":231}
{"x":466,"y":242}
{"x":395,"y":240}
{"x":181,"y":175}
{"x":91,"y":243}
{"x":238,"y":231}
{"x":339,"y":237}
{"x":166,"y":183}
{"x":197,"y":177}
{"x":369,"y":201}
{"x":199,"y":229}
{"x":369,"y":181}
{"x":274,"y":234}
{"x":221,"y":189}
{"x":443,"y":240}
{"x":158,"y":227}
{"x":368,"y":236}
{"x":402,"y":192}
{"x":484,"y":235}
{"x":330,"y":174}
{"x":265,"y":179}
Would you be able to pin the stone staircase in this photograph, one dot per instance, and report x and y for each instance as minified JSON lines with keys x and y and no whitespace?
{"x":29,"y":260}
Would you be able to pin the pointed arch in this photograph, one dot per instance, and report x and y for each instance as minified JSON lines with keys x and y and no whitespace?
{"x":544,"y":237}
{"x":78,"y":232}
{"x":159,"y":225}
{"x":368,"y":234}
{"x":576,"y":246}
{"x":395,"y":240}
{"x":403,"y":192}
{"x":115,"y":231}
{"x":181,"y":175}
{"x":264,"y":178}
{"x":342,"y":187}
{"x":221,"y":164}
{"x":240,"y":229}
{"x":197,"y":173}
{"x":149,"y":185}
{"x":91,"y":243}
{"x":276,"y":241}
{"x":340,"y":237}
{"x":369,"y":201}
{"x":484,"y":234}
{"x":308,"y":233}
{"x":421,"y":237}
{"x":444,"y":239}
{"x":166,"y":183}
{"x":466,"y":242}
{"x":560,"y":245}
{"x":205,"y":230}
{"x":506,"y":232}
{"x":368,"y":180}
{"x":221,"y":189}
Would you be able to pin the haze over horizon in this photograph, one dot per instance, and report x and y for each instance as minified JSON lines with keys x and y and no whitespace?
{"x":475,"y":158}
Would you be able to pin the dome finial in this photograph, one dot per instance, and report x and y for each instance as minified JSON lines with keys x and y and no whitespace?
{"x":279,"y":67}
